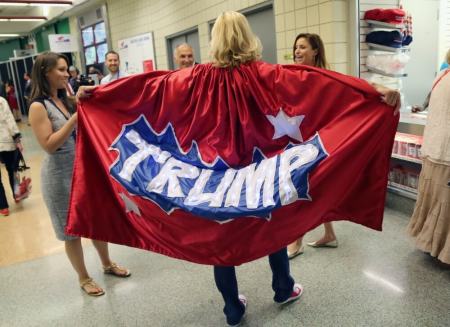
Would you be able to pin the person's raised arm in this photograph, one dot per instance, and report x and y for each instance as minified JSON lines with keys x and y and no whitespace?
{"x":49,"y":140}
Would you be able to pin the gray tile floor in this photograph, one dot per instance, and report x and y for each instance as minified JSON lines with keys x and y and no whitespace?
{"x":372,"y":279}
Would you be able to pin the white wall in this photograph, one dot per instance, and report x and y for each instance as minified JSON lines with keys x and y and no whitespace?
{"x":444,"y":31}
{"x":424,"y":49}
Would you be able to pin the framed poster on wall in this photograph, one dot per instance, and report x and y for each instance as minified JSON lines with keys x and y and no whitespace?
{"x":137,"y":54}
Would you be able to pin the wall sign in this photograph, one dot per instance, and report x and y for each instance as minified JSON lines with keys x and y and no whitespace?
{"x":62,"y":43}
{"x":137,"y":53}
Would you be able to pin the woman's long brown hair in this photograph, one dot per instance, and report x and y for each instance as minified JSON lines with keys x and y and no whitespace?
{"x":316,"y":43}
{"x":40,"y":86}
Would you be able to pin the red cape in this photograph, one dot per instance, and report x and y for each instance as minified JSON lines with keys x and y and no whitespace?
{"x":224,"y":112}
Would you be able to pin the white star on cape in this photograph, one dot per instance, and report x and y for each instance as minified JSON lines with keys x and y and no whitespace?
{"x":285,"y":125}
{"x":130,"y":206}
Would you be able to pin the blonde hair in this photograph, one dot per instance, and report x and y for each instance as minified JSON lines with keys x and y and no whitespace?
{"x":232,"y":41}
{"x":447,"y":57}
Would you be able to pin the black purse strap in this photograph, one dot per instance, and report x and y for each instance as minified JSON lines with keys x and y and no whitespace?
{"x":22,"y":165}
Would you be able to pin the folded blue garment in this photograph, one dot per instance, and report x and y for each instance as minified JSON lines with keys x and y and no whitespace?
{"x":392,"y":39}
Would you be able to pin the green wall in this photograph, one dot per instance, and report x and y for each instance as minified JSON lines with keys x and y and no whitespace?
{"x":60,"y":27}
{"x":7,"y":48}
{"x":42,"y":43}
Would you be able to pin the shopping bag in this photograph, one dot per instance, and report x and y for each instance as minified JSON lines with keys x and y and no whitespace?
{"x":22,"y":183}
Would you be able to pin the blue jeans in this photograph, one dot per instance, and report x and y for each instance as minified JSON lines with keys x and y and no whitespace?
{"x":282,"y":284}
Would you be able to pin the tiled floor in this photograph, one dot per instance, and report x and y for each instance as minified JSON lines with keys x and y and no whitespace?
{"x":27,"y":232}
{"x":372,"y":279}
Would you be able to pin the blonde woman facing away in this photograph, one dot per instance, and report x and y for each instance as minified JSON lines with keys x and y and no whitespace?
{"x":233,"y":44}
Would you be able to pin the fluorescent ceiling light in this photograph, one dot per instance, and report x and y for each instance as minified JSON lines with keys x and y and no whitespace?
{"x":8,"y":35}
{"x":37,"y":3}
{"x":26,"y":19}
{"x":13,"y":3}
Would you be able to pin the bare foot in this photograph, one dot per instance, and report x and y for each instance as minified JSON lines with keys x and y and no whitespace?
{"x":292,"y":248}
{"x":325,"y":239}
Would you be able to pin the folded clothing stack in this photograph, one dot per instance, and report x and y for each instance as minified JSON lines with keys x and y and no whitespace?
{"x":394,"y":39}
{"x":390,"y":64}
{"x":391,"y":16}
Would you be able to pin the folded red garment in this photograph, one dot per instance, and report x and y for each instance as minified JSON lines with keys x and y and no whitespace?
{"x":392,"y":16}
{"x":372,"y":14}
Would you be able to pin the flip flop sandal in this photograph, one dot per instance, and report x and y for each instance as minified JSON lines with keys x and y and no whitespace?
{"x":90,"y":283}
{"x":116,"y":270}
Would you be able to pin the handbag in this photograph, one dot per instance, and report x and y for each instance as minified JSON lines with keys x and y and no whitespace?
{"x":22,"y":187}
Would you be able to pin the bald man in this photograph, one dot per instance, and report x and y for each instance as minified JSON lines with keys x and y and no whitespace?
{"x":184,"y":56}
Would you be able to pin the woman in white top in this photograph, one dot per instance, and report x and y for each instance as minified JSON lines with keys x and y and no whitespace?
{"x":9,"y":142}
